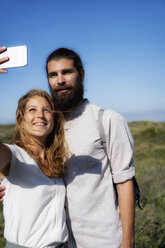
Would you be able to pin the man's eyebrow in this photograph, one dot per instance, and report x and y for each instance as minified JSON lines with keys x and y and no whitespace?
{"x":63,"y":71}
{"x":52,"y":73}
{"x":68,"y":69}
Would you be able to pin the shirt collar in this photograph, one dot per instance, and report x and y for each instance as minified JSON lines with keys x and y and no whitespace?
{"x":78,"y":110}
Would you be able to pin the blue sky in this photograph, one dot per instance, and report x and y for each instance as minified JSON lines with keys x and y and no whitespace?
{"x":121,"y":43}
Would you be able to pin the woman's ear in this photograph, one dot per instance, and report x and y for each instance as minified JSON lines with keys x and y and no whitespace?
{"x":20,"y":124}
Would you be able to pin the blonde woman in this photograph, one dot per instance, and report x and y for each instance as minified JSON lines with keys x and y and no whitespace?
{"x":32,"y":168}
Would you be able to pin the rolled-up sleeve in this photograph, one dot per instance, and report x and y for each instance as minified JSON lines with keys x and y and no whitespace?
{"x":120,"y":149}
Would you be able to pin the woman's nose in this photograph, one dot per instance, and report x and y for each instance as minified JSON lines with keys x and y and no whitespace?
{"x":40,"y":114}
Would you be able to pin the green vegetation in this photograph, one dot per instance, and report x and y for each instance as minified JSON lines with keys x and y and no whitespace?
{"x":2,"y":241}
{"x":149,"y":160}
{"x":6,"y":133}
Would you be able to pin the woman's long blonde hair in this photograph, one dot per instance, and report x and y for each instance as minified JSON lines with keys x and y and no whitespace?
{"x":55,"y":148}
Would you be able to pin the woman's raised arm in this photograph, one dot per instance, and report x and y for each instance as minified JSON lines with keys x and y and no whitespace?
{"x":5,"y":159}
{"x":4,"y":59}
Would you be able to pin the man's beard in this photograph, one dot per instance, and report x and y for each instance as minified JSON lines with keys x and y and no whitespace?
{"x":66,"y":101}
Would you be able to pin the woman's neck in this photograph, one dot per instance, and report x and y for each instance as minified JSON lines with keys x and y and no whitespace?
{"x":38,"y":148}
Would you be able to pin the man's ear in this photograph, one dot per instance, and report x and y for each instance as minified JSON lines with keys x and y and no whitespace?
{"x":82,"y":73}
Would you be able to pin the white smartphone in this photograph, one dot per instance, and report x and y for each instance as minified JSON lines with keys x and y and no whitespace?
{"x":17,"y":55}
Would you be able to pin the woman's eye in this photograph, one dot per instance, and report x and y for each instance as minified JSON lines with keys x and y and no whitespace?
{"x":32,"y":110}
{"x":47,"y":110}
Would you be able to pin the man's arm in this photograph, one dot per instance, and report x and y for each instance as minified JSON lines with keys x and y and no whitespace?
{"x":127,"y":212}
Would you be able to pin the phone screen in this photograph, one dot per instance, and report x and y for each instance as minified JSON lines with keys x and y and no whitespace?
{"x":17,"y":55}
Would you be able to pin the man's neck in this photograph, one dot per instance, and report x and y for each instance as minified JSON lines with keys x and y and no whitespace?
{"x":69,"y":111}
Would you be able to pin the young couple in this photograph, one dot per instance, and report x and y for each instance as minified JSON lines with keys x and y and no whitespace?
{"x":59,"y":142}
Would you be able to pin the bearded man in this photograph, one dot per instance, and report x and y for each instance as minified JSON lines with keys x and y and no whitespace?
{"x":97,"y":216}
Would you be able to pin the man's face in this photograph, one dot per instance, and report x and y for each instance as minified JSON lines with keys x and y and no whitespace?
{"x":65,"y":85}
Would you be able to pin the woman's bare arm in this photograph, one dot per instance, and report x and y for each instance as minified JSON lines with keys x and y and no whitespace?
{"x":5,"y":159}
{"x":4,"y":59}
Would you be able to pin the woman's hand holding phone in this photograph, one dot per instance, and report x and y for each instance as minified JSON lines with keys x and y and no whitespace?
{"x":12,"y":57}
{"x":4,"y":59}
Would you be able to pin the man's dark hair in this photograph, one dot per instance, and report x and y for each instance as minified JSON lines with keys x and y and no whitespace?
{"x":65,"y":53}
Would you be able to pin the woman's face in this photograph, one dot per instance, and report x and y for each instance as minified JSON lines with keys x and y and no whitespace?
{"x":38,"y":119}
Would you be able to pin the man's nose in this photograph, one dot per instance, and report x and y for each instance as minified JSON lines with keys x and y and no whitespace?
{"x":61,"y":79}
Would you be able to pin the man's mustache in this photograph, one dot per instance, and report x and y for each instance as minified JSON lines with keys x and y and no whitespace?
{"x":59,"y":88}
